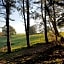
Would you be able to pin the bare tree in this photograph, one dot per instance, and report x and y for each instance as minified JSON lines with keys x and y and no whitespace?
{"x":44,"y":19}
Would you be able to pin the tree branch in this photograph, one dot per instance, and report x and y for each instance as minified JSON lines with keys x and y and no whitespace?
{"x":3,"y":3}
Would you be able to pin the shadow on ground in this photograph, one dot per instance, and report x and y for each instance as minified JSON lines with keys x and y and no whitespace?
{"x":36,"y":54}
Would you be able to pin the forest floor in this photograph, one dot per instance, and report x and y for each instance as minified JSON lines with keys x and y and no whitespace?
{"x":37,"y":54}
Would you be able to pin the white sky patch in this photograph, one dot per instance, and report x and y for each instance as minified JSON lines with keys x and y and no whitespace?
{"x":36,"y":0}
{"x":62,"y":29}
{"x":0,"y":30}
{"x":32,"y":22}
{"x":18,"y":23}
{"x":19,"y":28}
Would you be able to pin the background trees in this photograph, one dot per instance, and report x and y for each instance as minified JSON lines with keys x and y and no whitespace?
{"x":11,"y":30}
{"x":32,"y":30}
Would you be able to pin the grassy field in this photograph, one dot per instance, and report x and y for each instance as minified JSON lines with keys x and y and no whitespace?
{"x":19,"y":40}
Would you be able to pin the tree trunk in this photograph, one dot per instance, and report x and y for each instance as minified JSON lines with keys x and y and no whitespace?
{"x":28,"y":23}
{"x":44,"y":20}
{"x":7,"y":25}
{"x":24,"y":20}
{"x":24,"y":15}
{"x":46,"y":38}
{"x":53,"y":21}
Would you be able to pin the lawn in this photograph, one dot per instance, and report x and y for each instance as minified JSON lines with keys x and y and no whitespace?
{"x":19,"y":40}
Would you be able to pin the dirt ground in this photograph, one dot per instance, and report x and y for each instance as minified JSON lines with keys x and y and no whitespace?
{"x":37,"y":54}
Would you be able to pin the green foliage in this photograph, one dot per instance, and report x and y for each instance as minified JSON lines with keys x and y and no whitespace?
{"x":2,"y":41}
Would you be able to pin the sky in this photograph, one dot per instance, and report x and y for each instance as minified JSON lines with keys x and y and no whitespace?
{"x":17,"y":24}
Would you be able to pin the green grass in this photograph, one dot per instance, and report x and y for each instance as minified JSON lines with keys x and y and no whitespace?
{"x":19,"y":40}
{"x":2,"y":41}
{"x":37,"y":38}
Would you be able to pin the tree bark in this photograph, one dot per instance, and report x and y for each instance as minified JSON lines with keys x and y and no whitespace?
{"x":24,"y":15}
{"x":7,"y":25}
{"x":28,"y":23}
{"x":46,"y":38}
{"x":24,"y":20}
{"x":53,"y":21}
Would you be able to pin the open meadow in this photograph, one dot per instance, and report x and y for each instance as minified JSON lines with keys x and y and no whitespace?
{"x":19,"y":40}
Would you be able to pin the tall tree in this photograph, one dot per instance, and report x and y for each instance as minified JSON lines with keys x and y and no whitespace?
{"x":28,"y":23}
{"x":7,"y":4}
{"x":24,"y":15}
{"x":46,"y":38}
{"x":52,"y":16}
{"x":7,"y":7}
{"x":23,"y":8}
{"x":53,"y":3}
{"x":54,"y":24}
{"x":44,"y":20}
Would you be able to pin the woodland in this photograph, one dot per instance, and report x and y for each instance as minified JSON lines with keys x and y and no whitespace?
{"x":47,"y":51}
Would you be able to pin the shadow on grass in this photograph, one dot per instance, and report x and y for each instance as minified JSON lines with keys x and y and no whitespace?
{"x":25,"y":48}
